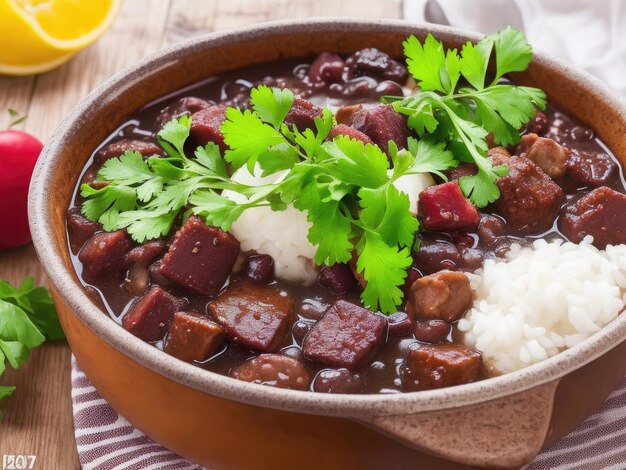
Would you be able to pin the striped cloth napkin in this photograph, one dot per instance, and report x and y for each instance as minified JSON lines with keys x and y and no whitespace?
{"x":106,"y":441}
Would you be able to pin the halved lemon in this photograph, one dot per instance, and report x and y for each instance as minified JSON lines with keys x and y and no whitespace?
{"x":39,"y":35}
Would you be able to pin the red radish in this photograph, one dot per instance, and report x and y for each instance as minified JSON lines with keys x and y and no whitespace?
{"x":18,"y":155}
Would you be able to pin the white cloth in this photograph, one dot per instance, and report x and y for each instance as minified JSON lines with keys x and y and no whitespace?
{"x":590,"y":34}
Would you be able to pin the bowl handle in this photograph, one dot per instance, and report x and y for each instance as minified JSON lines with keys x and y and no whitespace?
{"x":505,"y":433}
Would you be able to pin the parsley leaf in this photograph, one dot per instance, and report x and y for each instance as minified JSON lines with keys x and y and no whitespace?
{"x":460,"y":117}
{"x":27,"y":319}
{"x":271,"y":104}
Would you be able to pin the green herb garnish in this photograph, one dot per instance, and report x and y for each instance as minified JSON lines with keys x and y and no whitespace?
{"x":344,"y":186}
{"x":462,"y":113}
{"x":27,"y":319}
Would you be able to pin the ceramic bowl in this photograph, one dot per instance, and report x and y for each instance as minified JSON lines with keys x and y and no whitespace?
{"x":224,"y":423}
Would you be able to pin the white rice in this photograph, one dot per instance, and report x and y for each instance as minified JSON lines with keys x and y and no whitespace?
{"x":283,"y":235}
{"x":542,"y":300}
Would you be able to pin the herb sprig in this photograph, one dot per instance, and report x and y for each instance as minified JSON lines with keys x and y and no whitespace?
{"x":345,"y":187}
{"x":27,"y":319}
{"x":457,"y":105}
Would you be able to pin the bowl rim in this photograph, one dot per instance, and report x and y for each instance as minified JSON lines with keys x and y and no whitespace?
{"x":348,"y":405}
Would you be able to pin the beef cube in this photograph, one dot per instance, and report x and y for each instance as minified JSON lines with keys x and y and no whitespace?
{"x":149,"y":317}
{"x":443,"y":207}
{"x":274,"y":370}
{"x":345,"y":114}
{"x":146,"y":148}
{"x":146,"y":253}
{"x":302,"y":114}
{"x":445,"y":295}
{"x":347,"y":336}
{"x":436,"y":366}
{"x":432,"y":331}
{"x":490,"y":229}
{"x":259,"y":268}
{"x":591,"y":168}
{"x":337,"y":278}
{"x":545,"y":153}
{"x":193,"y":337}
{"x":464,"y":169}
{"x":327,"y":68}
{"x":495,"y":151}
{"x":342,"y":129}
{"x":600,"y":213}
{"x":529,"y":199}
{"x":105,"y":255}
{"x":200,"y":258}
{"x":254,"y":316}
{"x":400,"y":324}
{"x":336,"y":381}
{"x":79,"y":228}
{"x":205,"y":126}
{"x":435,"y":255}
{"x":377,"y":64}
{"x":382,"y":124}
{"x":186,"y":105}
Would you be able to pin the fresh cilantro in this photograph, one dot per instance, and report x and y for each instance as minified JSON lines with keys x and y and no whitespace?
{"x":27,"y":319}
{"x":345,"y":187}
{"x":460,"y":113}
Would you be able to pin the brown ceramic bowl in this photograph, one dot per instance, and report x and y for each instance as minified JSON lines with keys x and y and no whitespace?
{"x":221,"y":422}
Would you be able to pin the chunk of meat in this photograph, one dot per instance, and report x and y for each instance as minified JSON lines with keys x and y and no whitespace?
{"x":105,"y":255}
{"x":345,"y":114}
{"x":80,"y":228}
{"x":147,"y":252}
{"x":375,"y":63}
{"x":259,"y":268}
{"x":490,"y":229}
{"x":600,"y":213}
{"x":432,"y":331}
{"x":274,"y":370}
{"x":347,"y":336}
{"x":382,"y":124}
{"x":336,"y":381}
{"x":591,"y":168}
{"x":146,"y":148}
{"x":445,"y":295}
{"x":205,"y":126}
{"x":436,"y":255}
{"x":193,"y":337}
{"x":149,"y":317}
{"x":337,"y":278}
{"x":327,"y":68}
{"x":200,"y":257}
{"x":545,"y":153}
{"x":254,"y":316}
{"x":464,"y":169}
{"x":529,"y":199}
{"x":443,"y":207}
{"x":186,"y":105}
{"x":436,"y":366}
{"x":400,"y":324}
{"x":342,"y":129}
{"x":302,"y":114}
{"x":495,"y":151}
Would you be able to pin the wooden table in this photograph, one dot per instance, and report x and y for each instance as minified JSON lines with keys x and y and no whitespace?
{"x":38,"y":417}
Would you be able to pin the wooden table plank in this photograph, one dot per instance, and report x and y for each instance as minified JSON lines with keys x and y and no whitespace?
{"x":38,"y":418}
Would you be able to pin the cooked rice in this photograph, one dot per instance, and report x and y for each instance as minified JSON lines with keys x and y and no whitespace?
{"x":543,"y":299}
